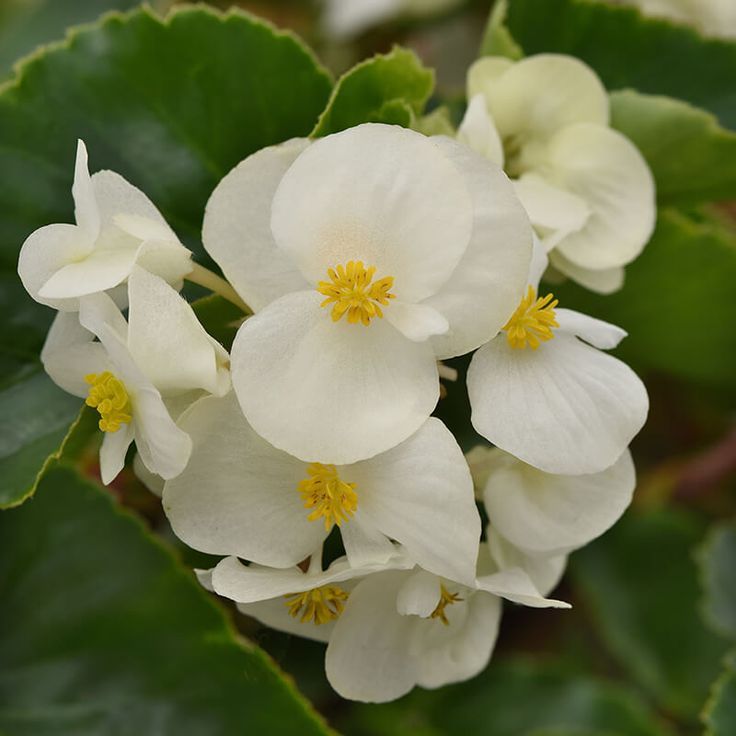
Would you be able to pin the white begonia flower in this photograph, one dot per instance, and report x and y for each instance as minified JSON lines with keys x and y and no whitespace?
{"x":542,"y":513}
{"x":240,"y":496}
{"x":161,"y":351}
{"x":712,"y":17}
{"x":305,"y":603}
{"x":401,"y":629}
{"x":586,"y":188}
{"x":367,"y":255}
{"x":543,"y":390}
{"x":344,"y":19}
{"x":117,"y":227}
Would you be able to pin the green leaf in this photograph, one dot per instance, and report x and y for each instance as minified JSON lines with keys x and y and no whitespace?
{"x":717,"y":559}
{"x":497,"y":39}
{"x":641,"y":586}
{"x":104,"y":633}
{"x":38,"y":419}
{"x":389,"y":88}
{"x":719,"y":714}
{"x":517,"y":697}
{"x":672,"y":302}
{"x":692,"y":158}
{"x":171,"y":105}
{"x":630,"y":50}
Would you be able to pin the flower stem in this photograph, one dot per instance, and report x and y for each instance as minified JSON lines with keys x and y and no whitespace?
{"x":217,"y":285}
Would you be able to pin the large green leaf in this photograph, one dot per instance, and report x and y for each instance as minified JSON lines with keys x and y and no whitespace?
{"x":512,"y":698}
{"x":37,"y":418}
{"x":719,"y":714}
{"x":640,"y":583}
{"x":104,"y":633}
{"x":692,"y":158}
{"x":630,"y":50}
{"x":389,"y":88}
{"x":717,"y":560}
{"x":675,"y":302}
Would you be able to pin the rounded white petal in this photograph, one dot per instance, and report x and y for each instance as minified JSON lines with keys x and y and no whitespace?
{"x":379,"y":194}
{"x":329,"y":391}
{"x":539,"y":95}
{"x":461,"y":650}
{"x":488,"y":282}
{"x":113,"y":450}
{"x":70,"y":353}
{"x":238,"y":495}
{"x":515,"y":585}
{"x":167,"y":340}
{"x":46,"y":251}
{"x":416,"y":321}
{"x":420,"y":494}
{"x":368,"y":657}
{"x":605,"y":169}
{"x":554,"y":514}
{"x":477,"y":131}
{"x":594,"y":331}
{"x":544,"y":570}
{"x":237,"y":227}
{"x":600,"y":280}
{"x":364,"y":543}
{"x":275,"y":614}
{"x":419,"y":595}
{"x":484,"y":73}
{"x":563,"y":408}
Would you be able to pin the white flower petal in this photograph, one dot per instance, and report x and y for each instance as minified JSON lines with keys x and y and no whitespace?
{"x":237,"y":227}
{"x":46,"y":251}
{"x":484,"y":73}
{"x":539,"y":95}
{"x":594,"y":331}
{"x":416,"y":321}
{"x":113,"y":450}
{"x":489,"y":281}
{"x":420,"y":494}
{"x":544,"y":570}
{"x":153,"y":482}
{"x":85,"y":205}
{"x":368,"y":657}
{"x":343,"y":19}
{"x":477,"y":131}
{"x":330,"y":391}
{"x":515,"y":585}
{"x":275,"y":614}
{"x":564,"y":408}
{"x":364,"y":543}
{"x":419,"y":595}
{"x":606,"y":169}
{"x":554,"y":514}
{"x":379,"y":194}
{"x":600,"y":280}
{"x":238,"y":495}
{"x":69,"y":354}
{"x":461,"y":650}
{"x":165,"y":336}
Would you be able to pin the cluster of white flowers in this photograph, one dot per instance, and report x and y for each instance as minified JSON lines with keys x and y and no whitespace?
{"x":368,"y":257}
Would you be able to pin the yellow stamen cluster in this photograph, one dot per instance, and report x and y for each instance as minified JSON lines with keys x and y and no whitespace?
{"x":107,"y":394}
{"x":532,"y":322}
{"x":351,"y":292}
{"x":328,"y":495}
{"x":319,"y":605}
{"x":446,"y":599}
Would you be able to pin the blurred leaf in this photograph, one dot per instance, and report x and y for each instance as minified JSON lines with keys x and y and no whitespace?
{"x":717,"y":558}
{"x":389,"y":88}
{"x":640,"y":583}
{"x":38,"y":417}
{"x":719,"y":714}
{"x":497,"y":39}
{"x":511,"y":698}
{"x":692,"y":158}
{"x":25,"y":24}
{"x":675,"y":302}
{"x":104,"y":633}
{"x":630,"y":50}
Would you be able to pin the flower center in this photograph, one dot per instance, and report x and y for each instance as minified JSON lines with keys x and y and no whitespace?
{"x":107,"y":394}
{"x":351,"y":292}
{"x":328,"y":495}
{"x":319,"y":605}
{"x":446,"y":599}
{"x":532,"y":322}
